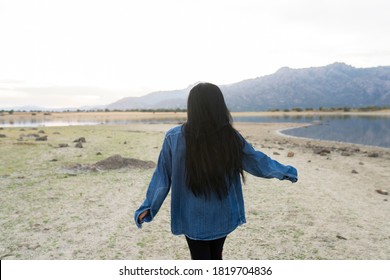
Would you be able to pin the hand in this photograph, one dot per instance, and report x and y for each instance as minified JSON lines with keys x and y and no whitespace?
{"x":142,"y":215}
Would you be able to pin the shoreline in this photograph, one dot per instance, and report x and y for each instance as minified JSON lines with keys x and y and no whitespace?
{"x":304,"y":141}
{"x":280,"y":132}
{"x":99,"y":118}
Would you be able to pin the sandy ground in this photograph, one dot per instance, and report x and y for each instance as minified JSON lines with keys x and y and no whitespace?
{"x":50,"y":210}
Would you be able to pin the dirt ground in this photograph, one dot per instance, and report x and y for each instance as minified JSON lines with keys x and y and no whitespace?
{"x":52,"y":210}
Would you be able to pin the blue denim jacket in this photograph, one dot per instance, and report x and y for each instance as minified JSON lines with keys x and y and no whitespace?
{"x":196,"y":217}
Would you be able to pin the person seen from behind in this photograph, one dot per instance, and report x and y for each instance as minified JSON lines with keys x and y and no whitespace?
{"x":202,"y":163}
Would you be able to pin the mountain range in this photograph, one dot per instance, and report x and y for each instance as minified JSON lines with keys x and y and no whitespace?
{"x":334,"y":85}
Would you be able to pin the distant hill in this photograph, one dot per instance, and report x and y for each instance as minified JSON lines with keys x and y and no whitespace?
{"x":335,"y":85}
{"x":155,"y":100}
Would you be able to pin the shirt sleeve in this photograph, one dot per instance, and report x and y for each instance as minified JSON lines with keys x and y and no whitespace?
{"x":261,"y":165}
{"x":159,"y":186}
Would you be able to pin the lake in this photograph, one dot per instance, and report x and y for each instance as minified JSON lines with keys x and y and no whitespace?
{"x":366,"y":130}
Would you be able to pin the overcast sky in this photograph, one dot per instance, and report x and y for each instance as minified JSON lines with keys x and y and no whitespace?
{"x":135,"y":47}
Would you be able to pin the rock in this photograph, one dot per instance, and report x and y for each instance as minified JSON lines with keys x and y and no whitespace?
{"x":32,"y":135}
{"x":322,"y":151}
{"x":62,"y":145}
{"x":79,"y":145}
{"x":276,"y":154}
{"x":80,"y":140}
{"x":346,"y":154}
{"x":384,"y":192}
{"x":41,"y":138}
{"x":2,"y":136}
{"x":41,"y":131}
{"x":98,"y":153}
{"x":354,"y":172}
{"x":56,"y":132}
{"x":373,"y":155}
{"x":361,"y":163}
{"x":341,"y":237}
{"x":290,"y":154}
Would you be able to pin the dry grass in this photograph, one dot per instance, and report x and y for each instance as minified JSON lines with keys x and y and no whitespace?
{"x":50,"y":213}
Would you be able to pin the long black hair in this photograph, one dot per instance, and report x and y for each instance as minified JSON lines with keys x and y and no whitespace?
{"x":213,"y":147}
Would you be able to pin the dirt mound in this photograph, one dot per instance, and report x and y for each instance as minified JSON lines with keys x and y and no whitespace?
{"x":111,"y":163}
{"x":116,"y":162}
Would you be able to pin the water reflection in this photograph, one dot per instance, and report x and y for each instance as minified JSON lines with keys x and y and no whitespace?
{"x":33,"y":122}
{"x":366,"y":130}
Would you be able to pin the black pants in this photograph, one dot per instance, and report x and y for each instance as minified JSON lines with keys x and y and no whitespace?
{"x":206,"y":250}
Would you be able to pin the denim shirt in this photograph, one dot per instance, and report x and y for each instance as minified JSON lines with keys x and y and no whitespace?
{"x":197,"y":217}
